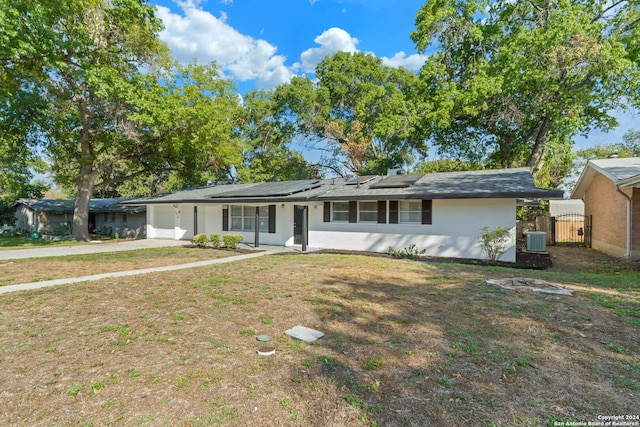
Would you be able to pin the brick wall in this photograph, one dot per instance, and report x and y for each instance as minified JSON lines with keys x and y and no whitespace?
{"x":608,"y":209}
{"x":635,"y":227}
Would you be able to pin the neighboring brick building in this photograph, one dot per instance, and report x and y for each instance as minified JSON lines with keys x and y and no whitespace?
{"x":610,"y":189}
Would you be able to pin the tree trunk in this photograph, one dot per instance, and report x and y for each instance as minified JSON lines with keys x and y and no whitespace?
{"x":536,"y":158}
{"x":80,"y":227}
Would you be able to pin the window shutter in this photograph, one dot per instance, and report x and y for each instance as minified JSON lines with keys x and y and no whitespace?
{"x":426,"y":211}
{"x":353,"y":211}
{"x":327,"y":212}
{"x":272,"y":218}
{"x":393,"y":211}
{"x":225,"y":218}
{"x":382,"y":211}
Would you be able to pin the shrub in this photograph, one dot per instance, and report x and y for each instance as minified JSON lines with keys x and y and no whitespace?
{"x":201,"y":240}
{"x":231,"y":240}
{"x":494,"y":241}
{"x":410,"y":251}
{"x":215,"y":240}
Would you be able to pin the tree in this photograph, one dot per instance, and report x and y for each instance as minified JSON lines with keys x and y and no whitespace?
{"x":116,"y":108}
{"x":513,"y":82}
{"x":361,"y":109}
{"x":266,"y":134}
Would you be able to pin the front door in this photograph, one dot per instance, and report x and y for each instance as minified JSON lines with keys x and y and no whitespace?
{"x":299,"y":212}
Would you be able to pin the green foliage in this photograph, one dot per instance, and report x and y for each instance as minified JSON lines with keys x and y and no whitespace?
{"x":231,"y":241}
{"x":215,"y":240}
{"x":266,"y":131}
{"x":360,"y":111}
{"x":201,"y":240}
{"x":513,"y":82}
{"x":494,"y":241}
{"x":446,"y":165}
{"x":410,"y":251}
{"x":104,"y":115}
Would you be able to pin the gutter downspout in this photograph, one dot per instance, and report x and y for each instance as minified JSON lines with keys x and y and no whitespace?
{"x":626,"y":196}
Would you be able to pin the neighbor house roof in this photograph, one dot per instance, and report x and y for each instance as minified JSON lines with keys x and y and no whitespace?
{"x":498,"y":183}
{"x":622,"y":172}
{"x":66,"y":206}
{"x":564,"y":207}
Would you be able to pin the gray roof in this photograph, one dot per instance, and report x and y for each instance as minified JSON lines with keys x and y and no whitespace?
{"x":66,"y":206}
{"x":497,"y":183}
{"x":623,"y":172}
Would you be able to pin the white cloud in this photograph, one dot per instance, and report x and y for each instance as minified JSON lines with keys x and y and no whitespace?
{"x":199,"y":34}
{"x":412,"y":62}
{"x":331,"y":41}
{"x":194,"y":33}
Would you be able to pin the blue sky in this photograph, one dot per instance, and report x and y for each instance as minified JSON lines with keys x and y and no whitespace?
{"x":262,"y":43}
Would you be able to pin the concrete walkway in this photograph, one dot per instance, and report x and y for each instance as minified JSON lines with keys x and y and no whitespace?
{"x":119,"y":246}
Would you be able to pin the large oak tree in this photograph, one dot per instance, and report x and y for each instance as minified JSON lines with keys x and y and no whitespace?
{"x":362,"y":112}
{"x":513,"y":82}
{"x":110,"y":106}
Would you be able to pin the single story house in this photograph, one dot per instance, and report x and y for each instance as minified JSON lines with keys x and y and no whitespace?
{"x":610,"y":189}
{"x":442,"y":213}
{"x":106,"y":216}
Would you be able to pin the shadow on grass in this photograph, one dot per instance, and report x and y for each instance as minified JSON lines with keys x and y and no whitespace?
{"x":449,"y":350}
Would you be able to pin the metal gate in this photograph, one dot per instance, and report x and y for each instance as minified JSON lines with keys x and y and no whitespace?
{"x":571,"y":229}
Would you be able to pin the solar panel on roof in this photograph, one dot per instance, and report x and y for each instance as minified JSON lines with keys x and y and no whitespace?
{"x":397,"y":181}
{"x":270,"y":189}
{"x":359,"y":179}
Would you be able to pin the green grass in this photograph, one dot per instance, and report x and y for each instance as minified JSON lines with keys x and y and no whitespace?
{"x":27,"y":242}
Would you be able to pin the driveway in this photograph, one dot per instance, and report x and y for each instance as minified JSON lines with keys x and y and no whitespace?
{"x":89,"y":248}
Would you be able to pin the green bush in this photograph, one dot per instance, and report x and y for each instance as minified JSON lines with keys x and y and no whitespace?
{"x":201,"y":240}
{"x":411,"y":251}
{"x":494,"y":241}
{"x":215,"y":240}
{"x":231,"y":240}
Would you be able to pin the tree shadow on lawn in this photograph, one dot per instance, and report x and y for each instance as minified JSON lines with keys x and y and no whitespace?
{"x":449,"y":350}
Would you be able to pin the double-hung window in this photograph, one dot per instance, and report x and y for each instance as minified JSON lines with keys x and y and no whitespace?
{"x":410,"y":211}
{"x":340,"y":212}
{"x":243,"y":218}
{"x":368,"y":212}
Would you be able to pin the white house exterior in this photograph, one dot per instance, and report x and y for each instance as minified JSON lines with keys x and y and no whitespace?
{"x":443,"y":213}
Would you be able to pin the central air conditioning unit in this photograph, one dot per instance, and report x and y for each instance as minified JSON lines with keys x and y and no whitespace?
{"x":536,"y":241}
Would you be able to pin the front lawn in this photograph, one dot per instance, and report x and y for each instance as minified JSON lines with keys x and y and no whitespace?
{"x":406,"y":343}
{"x":18,"y":242}
{"x":49,"y":268}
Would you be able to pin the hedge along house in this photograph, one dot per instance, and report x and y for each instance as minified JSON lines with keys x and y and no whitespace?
{"x":106,"y":216}
{"x":442,"y":213}
{"x":610,"y":189}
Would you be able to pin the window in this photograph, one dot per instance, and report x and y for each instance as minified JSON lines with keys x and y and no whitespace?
{"x":113,"y":217}
{"x":368,"y":212}
{"x":340,"y":212}
{"x":105,"y":216}
{"x":410,"y":211}
{"x":124,"y":217}
{"x":243,"y":218}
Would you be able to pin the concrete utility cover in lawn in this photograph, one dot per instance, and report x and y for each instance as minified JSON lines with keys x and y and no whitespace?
{"x":303,"y":333}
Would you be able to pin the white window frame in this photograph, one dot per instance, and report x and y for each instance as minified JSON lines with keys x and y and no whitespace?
{"x":407,"y":208}
{"x":344,"y":210}
{"x":246,"y":217}
{"x":369,"y":208}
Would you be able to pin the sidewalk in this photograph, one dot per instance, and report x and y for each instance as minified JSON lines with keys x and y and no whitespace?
{"x":56,"y":282}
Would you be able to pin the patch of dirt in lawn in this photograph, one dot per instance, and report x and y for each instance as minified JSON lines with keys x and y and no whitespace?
{"x":38,"y":269}
{"x":406,"y":344}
